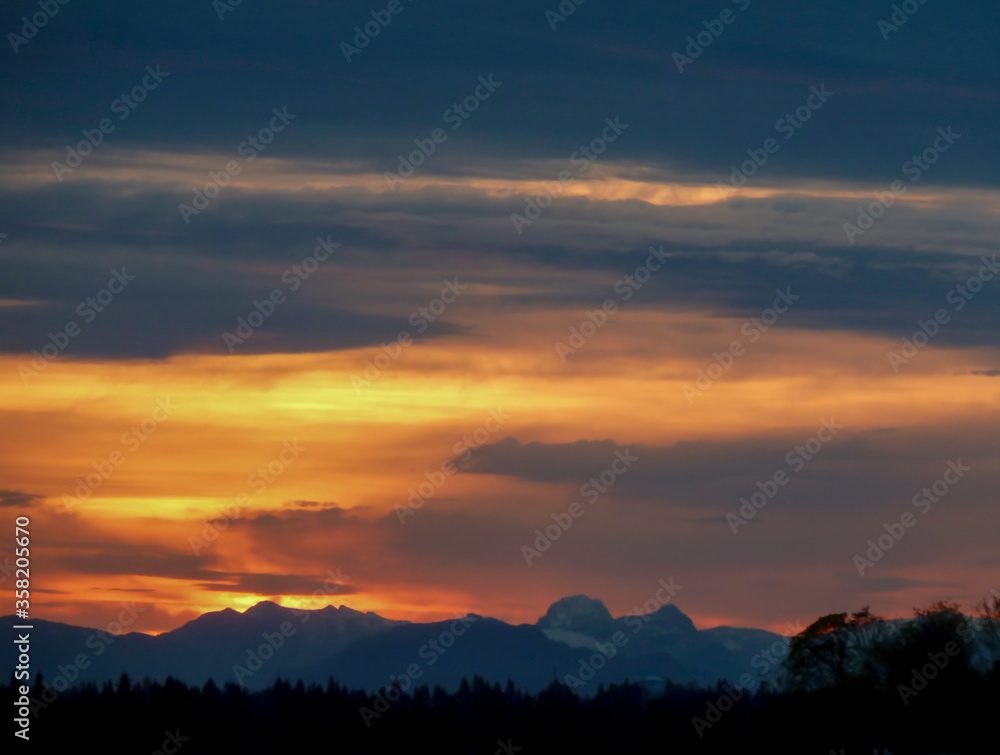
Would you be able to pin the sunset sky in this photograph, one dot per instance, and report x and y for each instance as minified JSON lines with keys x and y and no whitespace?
{"x":917,"y":106}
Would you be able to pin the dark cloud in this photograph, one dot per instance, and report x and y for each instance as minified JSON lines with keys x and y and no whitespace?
{"x":155,"y":323}
{"x":273,"y":584}
{"x":557,"y":85}
{"x":191,"y":287}
{"x":297,"y":519}
{"x":12,"y":498}
{"x":137,"y":560}
{"x":115,"y":558}
{"x":181,"y":306}
{"x":854,"y":471}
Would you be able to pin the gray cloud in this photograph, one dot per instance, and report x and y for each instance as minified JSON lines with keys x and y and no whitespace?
{"x":12,"y":498}
{"x":602,"y":61}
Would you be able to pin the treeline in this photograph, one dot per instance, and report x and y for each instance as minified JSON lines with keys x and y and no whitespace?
{"x":861,"y":710}
{"x":172,"y":717}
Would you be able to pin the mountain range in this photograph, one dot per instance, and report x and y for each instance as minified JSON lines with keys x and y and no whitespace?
{"x":577,"y":639}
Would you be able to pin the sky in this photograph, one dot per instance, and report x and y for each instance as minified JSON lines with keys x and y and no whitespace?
{"x":592,"y":276}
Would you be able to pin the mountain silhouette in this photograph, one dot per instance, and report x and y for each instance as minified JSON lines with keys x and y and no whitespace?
{"x":366,"y":651}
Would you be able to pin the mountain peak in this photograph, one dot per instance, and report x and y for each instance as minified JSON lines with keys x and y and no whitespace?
{"x":264,"y":607}
{"x":579,"y":613}
{"x":670,"y":618}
